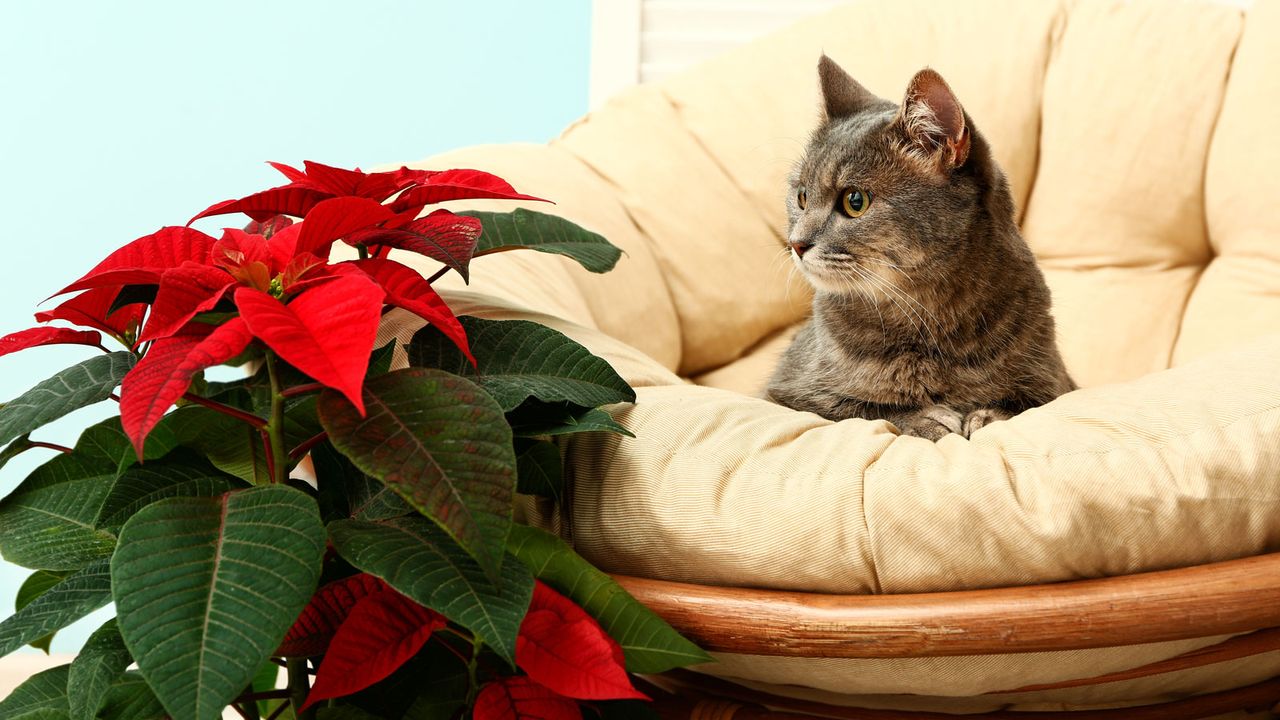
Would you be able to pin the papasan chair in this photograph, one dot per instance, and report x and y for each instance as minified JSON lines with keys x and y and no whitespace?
{"x":1106,"y":551}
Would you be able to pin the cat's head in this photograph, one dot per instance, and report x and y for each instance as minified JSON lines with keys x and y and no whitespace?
{"x":886,"y":193}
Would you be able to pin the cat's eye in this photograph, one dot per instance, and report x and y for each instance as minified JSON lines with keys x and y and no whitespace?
{"x":802,"y":198}
{"x":854,"y":202}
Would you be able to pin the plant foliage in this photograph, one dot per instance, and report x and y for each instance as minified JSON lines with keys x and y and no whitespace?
{"x":396,"y":576}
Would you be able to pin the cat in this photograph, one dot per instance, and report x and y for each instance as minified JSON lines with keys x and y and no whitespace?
{"x":929,"y":310}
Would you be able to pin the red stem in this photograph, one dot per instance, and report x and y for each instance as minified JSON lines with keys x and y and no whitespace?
{"x":114,"y":396}
{"x":297,"y":390}
{"x":438,"y":274}
{"x":51,"y":446}
{"x":271,"y":459}
{"x":305,"y":446}
{"x":227,"y":410}
{"x":103,"y":348}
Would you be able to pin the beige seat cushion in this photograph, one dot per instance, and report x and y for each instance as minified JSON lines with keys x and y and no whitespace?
{"x":1138,"y":141}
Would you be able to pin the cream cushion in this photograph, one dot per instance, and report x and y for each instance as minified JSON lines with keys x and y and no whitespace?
{"x":1138,"y":139}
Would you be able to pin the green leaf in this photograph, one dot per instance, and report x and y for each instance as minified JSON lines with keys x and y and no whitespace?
{"x":421,"y":561}
{"x":41,"y":697}
{"x":229,"y":444}
{"x":37,"y":584}
{"x":380,"y":359}
{"x":538,"y":467}
{"x":441,"y":443}
{"x":130,"y":698}
{"x":47,"y":522}
{"x":78,"y":386}
{"x":205,"y":588}
{"x":101,"y":662}
{"x":648,"y":642}
{"x":78,"y":595}
{"x":15,"y":448}
{"x":108,"y":442}
{"x":345,"y":492}
{"x":265,"y":679}
{"x":544,"y":233}
{"x":517,"y":360}
{"x":539,"y":419}
{"x":179,"y":474}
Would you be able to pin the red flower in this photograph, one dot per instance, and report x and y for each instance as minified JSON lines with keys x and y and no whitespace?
{"x":520,"y":698}
{"x":325,"y":613}
{"x":273,"y":282}
{"x":162,"y":376}
{"x":380,"y":633}
{"x":564,"y":649}
{"x":36,"y":336}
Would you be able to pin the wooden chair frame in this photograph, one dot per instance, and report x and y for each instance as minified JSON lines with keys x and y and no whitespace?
{"x":1223,"y":598}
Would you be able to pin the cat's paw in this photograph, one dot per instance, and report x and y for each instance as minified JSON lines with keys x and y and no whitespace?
{"x":981,"y":418}
{"x":931,"y":423}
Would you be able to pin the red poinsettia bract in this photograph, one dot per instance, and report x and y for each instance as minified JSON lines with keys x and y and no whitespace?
{"x":521,"y":698}
{"x":380,"y":633}
{"x":366,"y":630}
{"x":565,"y":650}
{"x":189,"y":301}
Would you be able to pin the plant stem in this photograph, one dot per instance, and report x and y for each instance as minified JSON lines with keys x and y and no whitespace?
{"x":278,"y":711}
{"x":227,"y":410}
{"x":438,"y":274}
{"x":264,"y":695}
{"x":305,"y":446}
{"x":297,"y":390}
{"x":268,"y":455}
{"x":49,"y":445}
{"x":299,"y":687}
{"x":275,"y":426}
{"x":476,"y":645}
{"x":363,"y":251}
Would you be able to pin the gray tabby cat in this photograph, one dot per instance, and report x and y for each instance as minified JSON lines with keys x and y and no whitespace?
{"x":929,"y":309}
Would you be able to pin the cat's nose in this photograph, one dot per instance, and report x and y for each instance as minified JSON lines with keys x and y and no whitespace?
{"x":800,"y":247}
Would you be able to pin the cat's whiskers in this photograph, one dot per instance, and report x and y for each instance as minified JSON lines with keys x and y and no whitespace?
{"x":912,"y":303}
{"x":909,"y":298}
{"x":784,"y":257}
{"x":907,"y":312}
{"x":889,"y":265}
{"x":874,"y":304}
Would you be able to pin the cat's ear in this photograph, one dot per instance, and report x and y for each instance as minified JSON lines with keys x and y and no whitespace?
{"x":841,"y":94}
{"x":933,"y":120}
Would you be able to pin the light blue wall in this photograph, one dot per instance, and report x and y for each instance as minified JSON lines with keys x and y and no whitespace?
{"x":117,"y":118}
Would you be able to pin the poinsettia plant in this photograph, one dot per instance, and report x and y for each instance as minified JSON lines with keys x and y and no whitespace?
{"x":324,"y":512}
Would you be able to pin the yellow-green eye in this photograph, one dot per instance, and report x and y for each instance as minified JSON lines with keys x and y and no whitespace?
{"x":801,"y":198}
{"x":854,"y":202}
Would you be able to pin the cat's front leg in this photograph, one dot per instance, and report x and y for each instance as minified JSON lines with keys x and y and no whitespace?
{"x":931,"y":423}
{"x":982,"y":417}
